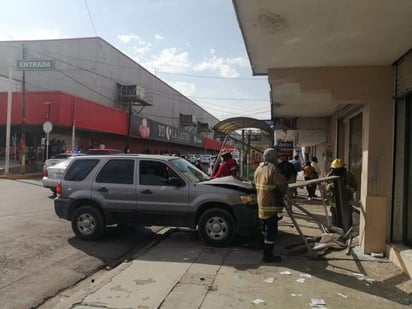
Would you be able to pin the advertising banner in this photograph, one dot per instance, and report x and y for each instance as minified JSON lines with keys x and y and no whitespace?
{"x":153,"y":130}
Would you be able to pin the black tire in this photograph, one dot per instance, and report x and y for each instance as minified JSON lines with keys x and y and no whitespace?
{"x":88,"y":223}
{"x":216,"y":227}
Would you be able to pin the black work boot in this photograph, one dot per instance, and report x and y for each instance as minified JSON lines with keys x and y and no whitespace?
{"x":268,"y":256}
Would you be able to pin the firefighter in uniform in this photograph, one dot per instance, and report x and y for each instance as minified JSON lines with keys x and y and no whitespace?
{"x":349,"y":184}
{"x":271,"y":186}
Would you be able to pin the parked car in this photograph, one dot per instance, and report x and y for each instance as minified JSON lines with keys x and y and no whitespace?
{"x":54,"y":173}
{"x":60,"y":157}
{"x":96,"y":191}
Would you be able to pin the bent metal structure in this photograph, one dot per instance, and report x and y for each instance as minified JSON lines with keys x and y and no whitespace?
{"x":231,"y":125}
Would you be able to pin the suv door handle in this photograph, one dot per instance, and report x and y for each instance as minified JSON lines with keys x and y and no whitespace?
{"x":103,"y":189}
{"x":147,"y":191}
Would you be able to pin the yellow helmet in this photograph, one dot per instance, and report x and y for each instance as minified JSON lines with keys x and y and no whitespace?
{"x":337,"y":163}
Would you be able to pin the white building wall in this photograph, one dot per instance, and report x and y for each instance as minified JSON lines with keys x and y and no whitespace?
{"x":90,"y":68}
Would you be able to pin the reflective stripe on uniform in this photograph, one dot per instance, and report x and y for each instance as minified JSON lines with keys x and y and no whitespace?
{"x":268,"y":211}
{"x":265,"y":187}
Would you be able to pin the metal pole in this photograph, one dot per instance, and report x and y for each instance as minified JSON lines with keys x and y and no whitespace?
{"x":48,"y":134}
{"x":47,"y":146}
{"x":23,"y":118}
{"x":9,"y":102}
{"x":248,"y":154}
{"x":242,"y":153}
{"x":128,"y":127}
{"x":74,"y":126}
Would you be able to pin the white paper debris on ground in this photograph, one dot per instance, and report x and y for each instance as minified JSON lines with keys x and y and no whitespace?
{"x":296,"y":295}
{"x":342,"y":295}
{"x":317,"y":303}
{"x":237,"y":276}
{"x":269,"y":280}
{"x":286,"y":272}
{"x":358,"y":275}
{"x":370,"y":280}
{"x":258,"y":301}
{"x":305,"y":276}
{"x":301,"y":280}
{"x":377,"y":254}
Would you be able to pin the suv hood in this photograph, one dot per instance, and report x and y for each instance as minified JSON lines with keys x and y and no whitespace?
{"x":231,"y":182}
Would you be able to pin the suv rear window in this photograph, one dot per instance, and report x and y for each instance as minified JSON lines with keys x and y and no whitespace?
{"x":117,"y":171}
{"x":80,"y":169}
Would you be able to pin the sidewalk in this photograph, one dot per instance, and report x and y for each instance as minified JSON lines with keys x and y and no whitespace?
{"x":181,"y":272}
{"x":15,"y":171}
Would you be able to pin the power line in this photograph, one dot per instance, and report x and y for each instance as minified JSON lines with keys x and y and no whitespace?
{"x":163,"y":94}
{"x":229,"y":99}
{"x":153,"y":90}
{"x":212,"y":77}
{"x":90,"y":16}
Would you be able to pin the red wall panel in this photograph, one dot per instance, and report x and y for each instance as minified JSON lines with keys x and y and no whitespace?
{"x":64,"y":110}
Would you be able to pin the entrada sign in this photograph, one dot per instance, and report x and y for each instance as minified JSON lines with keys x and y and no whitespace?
{"x":35,"y":65}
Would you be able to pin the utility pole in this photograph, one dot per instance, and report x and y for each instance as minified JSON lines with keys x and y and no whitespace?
{"x":23,"y":118}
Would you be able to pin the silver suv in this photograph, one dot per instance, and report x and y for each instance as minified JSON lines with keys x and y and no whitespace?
{"x":96,"y":191}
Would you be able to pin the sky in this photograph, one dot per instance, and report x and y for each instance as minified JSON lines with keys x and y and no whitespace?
{"x":195,"y":46}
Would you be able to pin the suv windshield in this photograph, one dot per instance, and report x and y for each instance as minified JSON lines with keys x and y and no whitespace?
{"x":190,"y":171}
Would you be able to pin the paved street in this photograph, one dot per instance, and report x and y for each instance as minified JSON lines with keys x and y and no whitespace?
{"x":39,"y":254}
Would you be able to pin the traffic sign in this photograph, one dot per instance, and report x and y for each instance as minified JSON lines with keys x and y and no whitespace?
{"x":47,"y":127}
{"x":35,"y":65}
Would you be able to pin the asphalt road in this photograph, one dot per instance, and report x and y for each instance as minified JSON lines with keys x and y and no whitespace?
{"x":39,"y":255}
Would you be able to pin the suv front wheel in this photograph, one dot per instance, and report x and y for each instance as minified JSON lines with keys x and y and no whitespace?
{"x":216,"y":227}
{"x":88,"y":223}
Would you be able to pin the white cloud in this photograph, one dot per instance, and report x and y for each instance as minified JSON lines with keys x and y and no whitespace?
{"x":126,"y":38}
{"x":141,"y":48}
{"x":158,"y":37}
{"x":138,"y":47}
{"x":187,"y":89}
{"x":225,"y":67}
{"x":170,"y":60}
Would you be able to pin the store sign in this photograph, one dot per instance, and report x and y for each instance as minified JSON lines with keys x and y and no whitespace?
{"x":285,"y":147}
{"x":35,"y":65}
{"x":149,"y":129}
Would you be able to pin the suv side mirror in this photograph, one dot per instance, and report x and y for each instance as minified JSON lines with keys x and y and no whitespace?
{"x":177,"y":182}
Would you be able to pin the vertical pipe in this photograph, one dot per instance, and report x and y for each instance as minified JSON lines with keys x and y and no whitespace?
{"x":23,"y":118}
{"x":8,"y":121}
{"x":74,"y":126}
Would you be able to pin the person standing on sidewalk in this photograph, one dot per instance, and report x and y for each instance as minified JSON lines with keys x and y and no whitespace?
{"x":298,"y":167}
{"x":271,"y":186}
{"x":310,"y":173}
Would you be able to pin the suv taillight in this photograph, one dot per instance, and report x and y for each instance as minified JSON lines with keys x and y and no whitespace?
{"x":45,"y":173}
{"x":59,"y":189}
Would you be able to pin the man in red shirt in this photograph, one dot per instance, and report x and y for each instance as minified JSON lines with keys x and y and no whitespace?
{"x":228,"y":167}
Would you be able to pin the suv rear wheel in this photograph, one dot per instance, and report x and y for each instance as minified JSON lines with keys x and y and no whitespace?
{"x":217,"y":227}
{"x":88,"y":223}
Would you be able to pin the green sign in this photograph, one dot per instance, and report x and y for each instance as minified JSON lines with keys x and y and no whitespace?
{"x":35,"y":65}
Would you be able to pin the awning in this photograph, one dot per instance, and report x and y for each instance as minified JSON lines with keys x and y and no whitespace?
{"x":230,"y":125}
